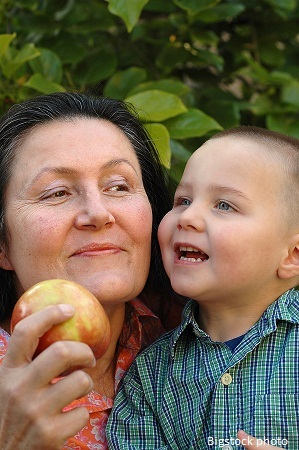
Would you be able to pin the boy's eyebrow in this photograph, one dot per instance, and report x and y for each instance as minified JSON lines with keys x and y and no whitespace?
{"x":214,"y":188}
{"x":184,"y":185}
{"x":228,"y":190}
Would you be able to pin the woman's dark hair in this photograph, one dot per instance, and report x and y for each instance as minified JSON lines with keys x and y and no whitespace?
{"x":21,"y":118}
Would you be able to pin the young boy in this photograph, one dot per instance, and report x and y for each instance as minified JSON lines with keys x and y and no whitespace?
{"x":231,"y":244}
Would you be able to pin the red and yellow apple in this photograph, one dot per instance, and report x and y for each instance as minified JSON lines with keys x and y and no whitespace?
{"x":89,"y":324}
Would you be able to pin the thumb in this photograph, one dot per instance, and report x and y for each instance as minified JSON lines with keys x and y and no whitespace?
{"x":251,"y":443}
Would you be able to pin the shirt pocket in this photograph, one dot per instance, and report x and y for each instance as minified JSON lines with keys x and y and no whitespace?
{"x":276,"y":419}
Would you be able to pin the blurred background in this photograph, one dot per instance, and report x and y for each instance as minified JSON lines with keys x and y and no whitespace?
{"x":189,"y":67}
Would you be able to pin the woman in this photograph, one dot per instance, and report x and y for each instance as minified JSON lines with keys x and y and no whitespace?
{"x":81,"y":196}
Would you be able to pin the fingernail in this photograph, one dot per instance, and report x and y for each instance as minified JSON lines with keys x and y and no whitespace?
{"x":68,"y":310}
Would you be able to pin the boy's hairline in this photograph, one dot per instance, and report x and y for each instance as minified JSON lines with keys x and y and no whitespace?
{"x":281,"y":147}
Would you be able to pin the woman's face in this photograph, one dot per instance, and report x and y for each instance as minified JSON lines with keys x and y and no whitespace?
{"x":76,"y":209}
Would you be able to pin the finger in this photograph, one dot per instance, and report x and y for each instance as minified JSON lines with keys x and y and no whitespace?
{"x":49,"y":432}
{"x":252,"y":443}
{"x":60,"y":357}
{"x":26,"y":334}
{"x":71,"y":422}
{"x":63,"y":392}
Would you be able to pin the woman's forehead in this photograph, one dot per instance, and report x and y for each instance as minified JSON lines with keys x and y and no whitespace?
{"x":81,"y":144}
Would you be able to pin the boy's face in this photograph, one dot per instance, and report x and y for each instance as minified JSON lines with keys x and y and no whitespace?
{"x":226,"y":234}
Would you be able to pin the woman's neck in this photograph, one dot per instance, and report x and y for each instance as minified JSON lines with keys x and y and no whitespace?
{"x":103,"y":374}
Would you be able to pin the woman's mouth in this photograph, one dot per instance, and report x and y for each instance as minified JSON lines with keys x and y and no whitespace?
{"x":95,"y":249}
{"x":191,"y":254}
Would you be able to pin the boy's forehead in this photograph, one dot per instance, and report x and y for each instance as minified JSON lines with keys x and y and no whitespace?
{"x":234,"y":154}
{"x":234,"y":146}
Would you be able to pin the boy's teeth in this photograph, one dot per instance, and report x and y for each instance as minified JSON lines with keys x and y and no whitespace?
{"x":188,"y":249}
{"x":183,"y":258}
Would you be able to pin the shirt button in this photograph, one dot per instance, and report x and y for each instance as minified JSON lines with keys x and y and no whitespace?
{"x":227,"y":447}
{"x":226,"y":379}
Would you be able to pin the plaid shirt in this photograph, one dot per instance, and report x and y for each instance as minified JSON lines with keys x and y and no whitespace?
{"x":187,"y":392}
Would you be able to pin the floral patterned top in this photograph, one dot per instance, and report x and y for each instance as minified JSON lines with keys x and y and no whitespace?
{"x":141,"y":327}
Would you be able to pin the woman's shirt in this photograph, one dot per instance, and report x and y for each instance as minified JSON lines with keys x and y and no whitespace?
{"x":141,"y":327}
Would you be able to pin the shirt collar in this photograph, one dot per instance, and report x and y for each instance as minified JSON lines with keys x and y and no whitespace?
{"x":285,"y":308}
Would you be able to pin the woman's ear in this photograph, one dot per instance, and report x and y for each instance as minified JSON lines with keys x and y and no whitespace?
{"x":289,"y":266}
{"x":4,"y":261}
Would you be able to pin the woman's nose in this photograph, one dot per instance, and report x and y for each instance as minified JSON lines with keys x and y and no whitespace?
{"x":94,"y":213}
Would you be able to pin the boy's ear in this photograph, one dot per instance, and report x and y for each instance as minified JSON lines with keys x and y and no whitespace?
{"x":289,"y":266}
{"x":4,"y":261}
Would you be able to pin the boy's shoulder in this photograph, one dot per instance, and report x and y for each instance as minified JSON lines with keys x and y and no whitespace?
{"x":165,"y":343}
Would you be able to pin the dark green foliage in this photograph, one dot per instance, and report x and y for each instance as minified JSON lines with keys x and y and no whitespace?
{"x":190,"y":67}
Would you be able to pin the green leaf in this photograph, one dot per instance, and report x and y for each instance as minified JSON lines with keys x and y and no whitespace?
{"x":220,"y":13}
{"x":27,"y":53}
{"x":261,"y":105}
{"x":287,"y":124}
{"x":167,"y":85}
{"x":194,"y":6}
{"x":281,"y":78}
{"x":128,"y":10}
{"x":207,"y":58}
{"x":70,"y":54}
{"x":290,"y":94}
{"x":159,"y":134}
{"x":206,"y":37}
{"x":156,"y":106}
{"x":271,"y":55}
{"x":96,"y":68}
{"x":254,"y":70}
{"x":59,"y":15}
{"x":180,"y":156}
{"x":158,"y":6}
{"x":179,"y":152}
{"x":41,"y":84}
{"x":193,"y":123}
{"x":171,"y":56}
{"x":48,"y":64}
{"x":226,"y":112}
{"x":5,"y":40}
{"x":121,"y":83}
{"x":287,"y":5}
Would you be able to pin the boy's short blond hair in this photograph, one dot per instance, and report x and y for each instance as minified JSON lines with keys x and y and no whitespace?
{"x":286,"y":148}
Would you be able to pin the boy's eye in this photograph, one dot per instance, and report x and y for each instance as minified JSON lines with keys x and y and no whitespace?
{"x":182,"y":201}
{"x":223,"y":206}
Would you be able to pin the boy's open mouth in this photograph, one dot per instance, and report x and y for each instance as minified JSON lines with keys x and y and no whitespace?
{"x":191,"y":254}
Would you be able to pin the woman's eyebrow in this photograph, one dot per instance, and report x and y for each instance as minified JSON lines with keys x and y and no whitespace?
{"x":116,"y":161}
{"x":70,"y":171}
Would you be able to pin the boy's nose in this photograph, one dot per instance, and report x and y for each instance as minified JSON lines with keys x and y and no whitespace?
{"x":191,"y":218}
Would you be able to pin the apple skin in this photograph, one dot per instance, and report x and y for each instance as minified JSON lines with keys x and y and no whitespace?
{"x":89,"y":324}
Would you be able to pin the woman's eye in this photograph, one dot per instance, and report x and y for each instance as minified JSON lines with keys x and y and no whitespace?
{"x":123,"y":187}
{"x":57,"y":194}
{"x":223,"y":206}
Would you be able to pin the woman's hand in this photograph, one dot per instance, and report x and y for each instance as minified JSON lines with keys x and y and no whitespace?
{"x":31,"y":416}
{"x":251,"y":443}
